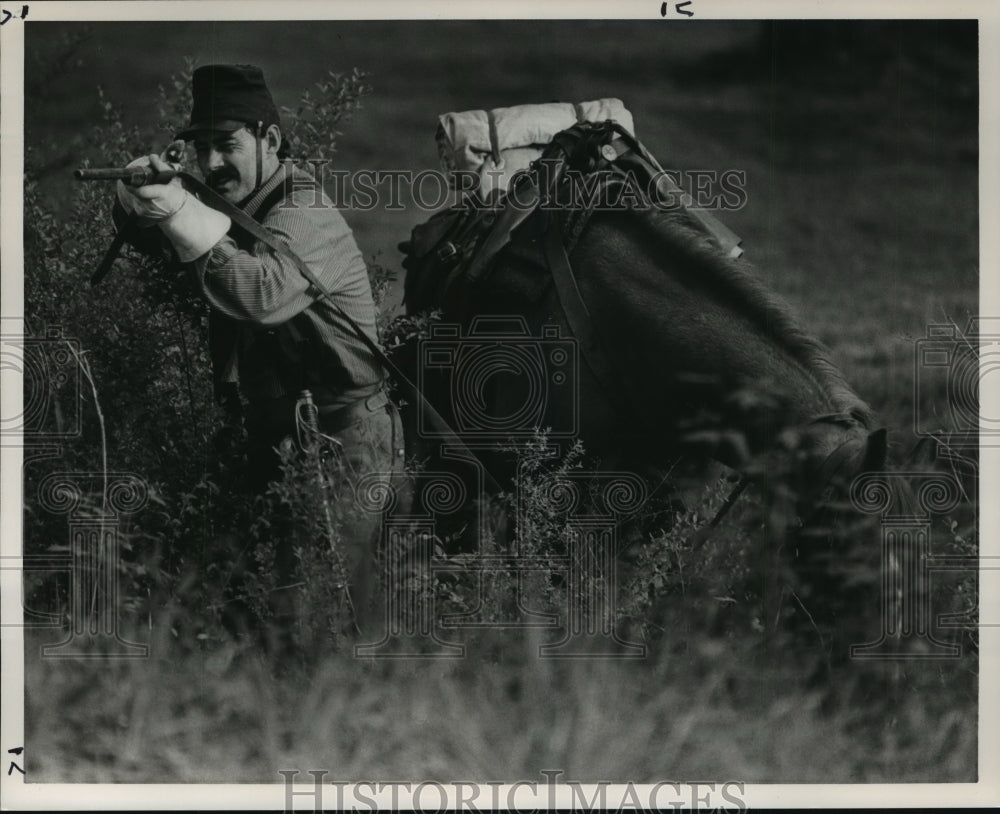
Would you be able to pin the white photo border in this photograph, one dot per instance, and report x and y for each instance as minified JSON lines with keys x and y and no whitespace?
{"x":16,"y":795}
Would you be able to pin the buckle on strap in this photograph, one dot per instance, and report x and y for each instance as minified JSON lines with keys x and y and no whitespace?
{"x":377,"y":400}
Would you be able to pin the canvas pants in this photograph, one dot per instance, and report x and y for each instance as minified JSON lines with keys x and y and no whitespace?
{"x":366,"y":479}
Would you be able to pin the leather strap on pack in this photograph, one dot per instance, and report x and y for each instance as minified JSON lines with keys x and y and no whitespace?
{"x":581,"y":324}
{"x":494,"y":140}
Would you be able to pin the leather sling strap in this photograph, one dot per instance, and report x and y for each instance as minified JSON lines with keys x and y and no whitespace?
{"x":581,"y":324}
{"x":290,"y":371}
{"x":211,"y":198}
{"x":494,"y":140}
{"x":511,"y":215}
{"x":131,"y":222}
{"x":529,"y":192}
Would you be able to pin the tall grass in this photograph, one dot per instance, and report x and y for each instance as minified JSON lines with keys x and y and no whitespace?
{"x":722,"y":692}
{"x":692,"y":711}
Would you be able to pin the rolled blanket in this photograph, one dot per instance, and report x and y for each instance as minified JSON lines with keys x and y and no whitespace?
{"x":473,"y":139}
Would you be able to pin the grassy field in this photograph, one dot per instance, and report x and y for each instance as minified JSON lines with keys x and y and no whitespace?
{"x":860,"y":149}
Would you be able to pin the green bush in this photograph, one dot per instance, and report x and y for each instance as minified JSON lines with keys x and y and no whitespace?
{"x":143,"y":332}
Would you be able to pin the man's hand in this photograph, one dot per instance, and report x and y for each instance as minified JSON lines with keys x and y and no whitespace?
{"x":132,"y":202}
{"x":154,"y":202}
{"x":188,"y":224}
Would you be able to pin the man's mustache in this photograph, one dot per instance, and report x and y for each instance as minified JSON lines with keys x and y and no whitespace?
{"x":219,"y":177}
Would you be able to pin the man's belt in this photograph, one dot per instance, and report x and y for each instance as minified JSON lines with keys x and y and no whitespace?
{"x":277,"y":415}
{"x":335,"y":419}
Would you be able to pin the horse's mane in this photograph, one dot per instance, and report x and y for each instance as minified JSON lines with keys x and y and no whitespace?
{"x":770,"y":312}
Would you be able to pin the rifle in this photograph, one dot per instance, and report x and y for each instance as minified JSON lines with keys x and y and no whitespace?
{"x":135,"y":177}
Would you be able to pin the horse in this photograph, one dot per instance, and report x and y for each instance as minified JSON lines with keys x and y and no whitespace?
{"x":708,"y":361}
{"x":687,"y":358}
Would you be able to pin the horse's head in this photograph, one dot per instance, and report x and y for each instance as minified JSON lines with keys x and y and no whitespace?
{"x":829,"y":452}
{"x":840,"y":445}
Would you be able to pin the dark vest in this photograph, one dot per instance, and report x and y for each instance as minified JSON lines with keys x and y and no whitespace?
{"x":294,"y":351}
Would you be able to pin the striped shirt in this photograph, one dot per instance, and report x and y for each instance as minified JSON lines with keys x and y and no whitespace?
{"x":269,"y":330}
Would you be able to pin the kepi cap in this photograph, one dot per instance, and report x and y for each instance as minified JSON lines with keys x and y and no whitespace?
{"x":227,"y":97}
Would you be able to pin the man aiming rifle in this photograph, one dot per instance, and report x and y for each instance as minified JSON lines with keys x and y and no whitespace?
{"x":291,"y":303}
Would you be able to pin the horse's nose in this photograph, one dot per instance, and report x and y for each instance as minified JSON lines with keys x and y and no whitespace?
{"x":876,"y":450}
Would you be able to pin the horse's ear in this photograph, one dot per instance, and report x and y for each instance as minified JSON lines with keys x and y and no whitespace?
{"x":876,"y":450}
{"x":924,"y":453}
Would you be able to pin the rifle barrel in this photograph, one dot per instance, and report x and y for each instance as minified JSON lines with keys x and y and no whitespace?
{"x":136,"y":176}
